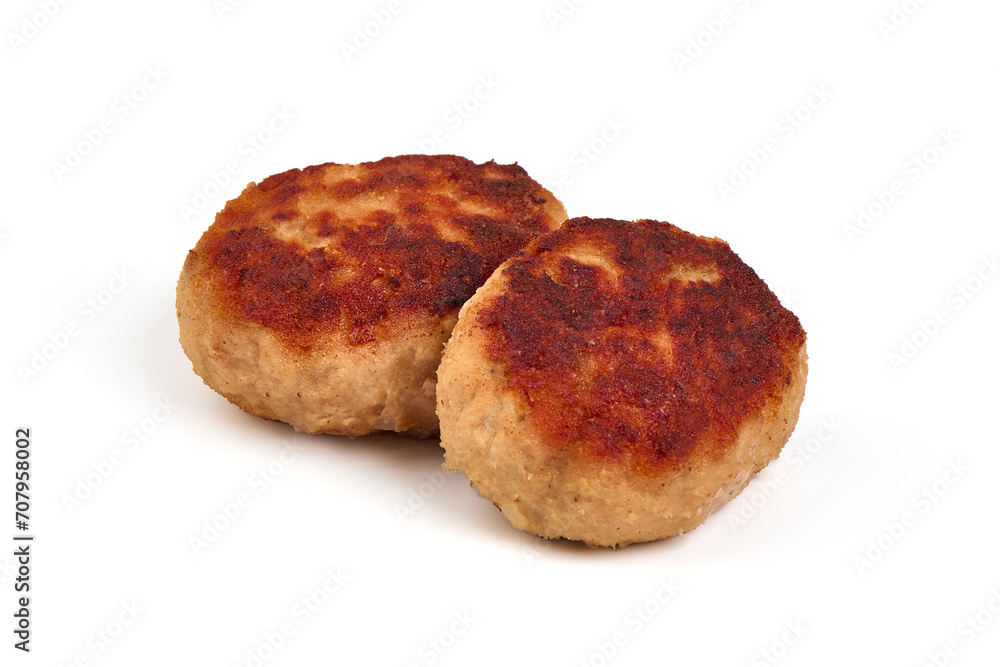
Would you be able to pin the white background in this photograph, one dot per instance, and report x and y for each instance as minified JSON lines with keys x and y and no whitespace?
{"x":834,"y":539}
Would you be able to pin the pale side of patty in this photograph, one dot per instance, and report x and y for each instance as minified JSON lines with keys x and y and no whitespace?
{"x":350,"y":389}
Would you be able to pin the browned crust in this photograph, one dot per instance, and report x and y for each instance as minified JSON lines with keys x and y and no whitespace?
{"x":653,"y":350}
{"x":346,"y":249}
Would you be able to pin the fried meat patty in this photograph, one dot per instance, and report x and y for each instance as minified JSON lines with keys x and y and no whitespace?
{"x":617,"y":382}
{"x":323,"y":296}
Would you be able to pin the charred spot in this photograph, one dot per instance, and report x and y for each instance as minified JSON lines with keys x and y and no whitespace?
{"x":274,"y":282}
{"x":348,"y":188}
{"x":381,"y":217}
{"x":316,"y":169}
{"x":285,"y":194}
{"x":281,"y":188}
{"x":397,"y":179}
{"x":727,"y":342}
{"x":447,"y":303}
{"x":413,"y":208}
{"x":489,"y":232}
{"x":497,"y":188}
{"x":446,"y":203}
{"x":324,"y":224}
{"x":385,"y":265}
{"x":277,"y":180}
{"x":578,"y":274}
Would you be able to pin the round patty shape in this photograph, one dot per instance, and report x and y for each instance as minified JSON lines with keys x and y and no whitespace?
{"x":617,"y":382}
{"x":323,"y":296}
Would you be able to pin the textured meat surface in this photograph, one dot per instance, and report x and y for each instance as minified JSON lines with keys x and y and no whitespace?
{"x":671,"y":340}
{"x":618,"y":382}
{"x":320,"y":289}
{"x":352,"y":248}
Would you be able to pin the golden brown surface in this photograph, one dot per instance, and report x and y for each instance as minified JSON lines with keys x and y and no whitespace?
{"x":316,"y":273}
{"x":659,"y":362}
{"x":352,"y":247}
{"x":617,"y":382}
